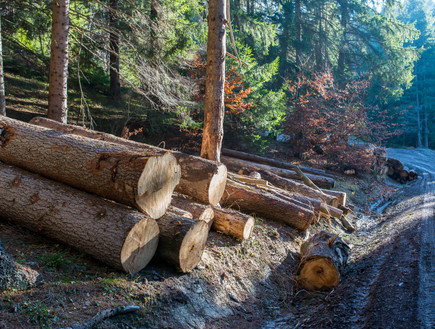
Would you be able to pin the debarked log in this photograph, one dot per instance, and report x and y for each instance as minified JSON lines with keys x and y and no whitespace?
{"x":115,"y":234}
{"x":202,"y":179}
{"x":144,"y":180}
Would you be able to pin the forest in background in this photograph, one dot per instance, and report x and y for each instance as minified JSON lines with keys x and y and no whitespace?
{"x":327,"y":74}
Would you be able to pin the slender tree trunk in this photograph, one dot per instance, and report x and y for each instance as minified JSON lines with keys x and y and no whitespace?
{"x":2,"y":79}
{"x":298,"y":24}
{"x":426,"y":130}
{"x":57,"y":98}
{"x":215,"y":81}
{"x":318,"y":46}
{"x":417,"y":99}
{"x":115,"y":87}
{"x":342,"y":53}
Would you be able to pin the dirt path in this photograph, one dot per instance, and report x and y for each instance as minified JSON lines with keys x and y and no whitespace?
{"x":390,"y":281}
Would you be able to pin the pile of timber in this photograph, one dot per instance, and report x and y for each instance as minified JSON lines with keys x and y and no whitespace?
{"x":397,"y":171}
{"x":113,"y":198}
{"x":108,"y":199}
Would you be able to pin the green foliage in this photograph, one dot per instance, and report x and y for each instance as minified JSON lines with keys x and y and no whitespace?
{"x":39,"y":314}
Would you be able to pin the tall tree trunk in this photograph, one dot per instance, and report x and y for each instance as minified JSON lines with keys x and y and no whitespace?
{"x":115,"y":87}
{"x":342,"y":53}
{"x":318,"y":46}
{"x":215,"y":81}
{"x":2,"y":80}
{"x":57,"y":93}
{"x":298,"y":24}
{"x":417,"y":99}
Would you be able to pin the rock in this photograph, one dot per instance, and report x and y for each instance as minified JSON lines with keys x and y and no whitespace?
{"x":14,"y":275}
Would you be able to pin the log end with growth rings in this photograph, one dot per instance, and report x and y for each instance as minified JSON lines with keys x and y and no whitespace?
{"x":193,"y":246}
{"x":217,"y":185}
{"x":140,"y":245}
{"x":249,"y":227}
{"x":317,"y":273}
{"x":156,"y":185}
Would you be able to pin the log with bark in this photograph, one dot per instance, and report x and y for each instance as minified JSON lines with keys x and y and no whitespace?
{"x":263,"y":203}
{"x":144,"y":180}
{"x":201,"y":179}
{"x":182,"y":240}
{"x":323,"y":259}
{"x":237,"y":164}
{"x":291,"y":185}
{"x":341,"y":196}
{"x":272,"y":162}
{"x":115,"y":234}
{"x":198,"y":211}
{"x":227,"y":221}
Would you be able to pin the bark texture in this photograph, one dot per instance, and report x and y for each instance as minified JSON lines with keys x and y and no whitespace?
{"x":250,"y":200}
{"x":58,"y":76}
{"x":202,"y":179}
{"x":182,"y":241}
{"x":2,"y":79}
{"x":323,"y":259}
{"x":114,"y":234}
{"x":215,"y":82}
{"x":237,"y":164}
{"x":144,"y":180}
{"x":292,"y":186}
{"x":115,"y":87}
{"x":233,"y":223}
{"x":271,"y":162}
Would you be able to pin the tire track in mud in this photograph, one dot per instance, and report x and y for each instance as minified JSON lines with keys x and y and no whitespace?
{"x":426,"y":300}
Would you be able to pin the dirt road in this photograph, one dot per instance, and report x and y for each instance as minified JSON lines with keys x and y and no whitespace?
{"x":390,"y":281}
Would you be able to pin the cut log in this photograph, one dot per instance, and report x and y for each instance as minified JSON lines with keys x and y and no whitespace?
{"x":237,"y":164}
{"x":144,"y":180}
{"x":335,"y":212}
{"x":346,"y":224}
{"x":201,"y":179}
{"x":233,"y":223}
{"x":272,"y":162}
{"x":117,"y":235}
{"x":292,"y":186}
{"x":198,"y":211}
{"x":251,"y":200}
{"x":323,"y":259}
{"x":179,"y":211}
{"x":341,"y":196}
{"x":182,"y":241}
{"x":227,"y":221}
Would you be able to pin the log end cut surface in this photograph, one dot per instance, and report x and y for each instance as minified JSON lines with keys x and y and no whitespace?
{"x":193,"y":246}
{"x":249,"y":228}
{"x":156,"y":185}
{"x":318,"y":272}
{"x":217,"y":185}
{"x":140,"y":245}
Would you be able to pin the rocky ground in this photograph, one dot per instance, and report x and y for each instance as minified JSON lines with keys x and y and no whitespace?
{"x":248,"y":284}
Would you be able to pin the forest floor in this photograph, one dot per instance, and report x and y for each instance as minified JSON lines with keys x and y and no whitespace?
{"x":247,"y":284}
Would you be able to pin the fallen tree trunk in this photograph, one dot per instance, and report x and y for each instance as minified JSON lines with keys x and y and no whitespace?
{"x":227,"y":221}
{"x":267,"y":205}
{"x":114,"y":234}
{"x":144,"y":180}
{"x":272,"y":163}
{"x":292,"y":186}
{"x":237,"y":164}
{"x":323,"y":259}
{"x":202,"y":179}
{"x":182,"y":241}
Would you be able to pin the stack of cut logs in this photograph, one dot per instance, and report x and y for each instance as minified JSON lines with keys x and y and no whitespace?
{"x":114,"y":198}
{"x":400,"y":173}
